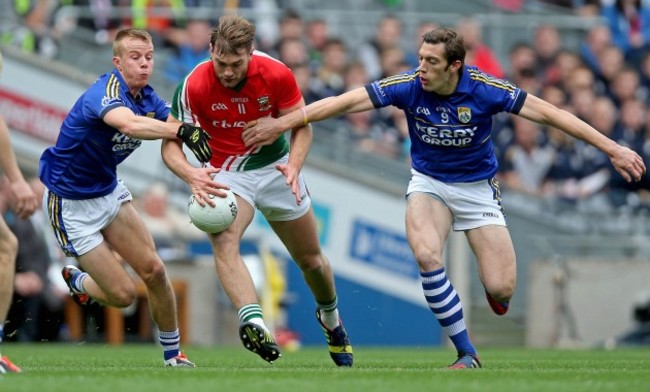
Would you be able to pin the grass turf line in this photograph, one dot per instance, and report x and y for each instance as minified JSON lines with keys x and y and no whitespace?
{"x":138,"y":368}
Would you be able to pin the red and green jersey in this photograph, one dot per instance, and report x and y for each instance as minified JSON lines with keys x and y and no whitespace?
{"x":268,"y":88}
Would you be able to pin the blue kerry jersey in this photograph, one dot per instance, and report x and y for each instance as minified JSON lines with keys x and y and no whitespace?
{"x":450,"y":135}
{"x":83,"y":162}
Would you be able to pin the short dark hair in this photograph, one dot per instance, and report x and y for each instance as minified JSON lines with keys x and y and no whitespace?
{"x":454,"y":45}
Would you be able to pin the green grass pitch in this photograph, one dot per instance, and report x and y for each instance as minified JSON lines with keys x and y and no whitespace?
{"x":138,"y":368}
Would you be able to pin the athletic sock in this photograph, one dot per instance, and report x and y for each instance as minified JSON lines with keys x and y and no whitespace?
{"x":251,"y":313}
{"x":170,"y":342}
{"x":77,"y":283}
{"x":329,"y":313}
{"x":447,"y":307}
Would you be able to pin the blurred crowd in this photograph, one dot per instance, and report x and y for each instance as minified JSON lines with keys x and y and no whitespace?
{"x":605,"y":80}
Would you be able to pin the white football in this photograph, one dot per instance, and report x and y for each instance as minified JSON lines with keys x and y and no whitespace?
{"x":213,"y":219}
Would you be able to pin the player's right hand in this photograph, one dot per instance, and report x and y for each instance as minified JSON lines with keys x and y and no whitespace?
{"x":261,"y":132}
{"x":196,"y":139}
{"x":26,"y":200}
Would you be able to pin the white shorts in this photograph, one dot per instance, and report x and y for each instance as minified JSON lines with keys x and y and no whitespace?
{"x":77,"y":223}
{"x":266,"y":189}
{"x":473,"y":204}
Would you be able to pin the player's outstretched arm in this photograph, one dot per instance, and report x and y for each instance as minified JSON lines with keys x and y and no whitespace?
{"x":266,"y":130}
{"x":141,"y":127}
{"x":626,"y":162}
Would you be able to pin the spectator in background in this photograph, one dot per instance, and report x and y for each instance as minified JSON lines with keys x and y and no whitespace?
{"x":580,"y":78}
{"x":388,"y":34}
{"x":547,"y":44}
{"x":163,"y":19}
{"x":103,"y":20}
{"x":355,"y":75}
{"x":631,"y":131}
{"x":598,"y":38}
{"x":292,"y":26}
{"x":303,"y":76}
{"x":644,"y":74}
{"x":523,"y":64}
{"x":193,"y":49}
{"x":170,"y":228}
{"x":521,"y":58}
{"x":293,"y":52}
{"x":527,"y":161}
{"x":611,"y":61}
{"x":392,"y":61}
{"x":478,"y":53}
{"x":328,"y":79}
{"x":629,"y":23}
{"x":30,"y":27}
{"x":561,"y":67}
{"x":411,"y":56}
{"x":317,"y":37}
{"x":581,"y":102}
{"x":626,"y":85}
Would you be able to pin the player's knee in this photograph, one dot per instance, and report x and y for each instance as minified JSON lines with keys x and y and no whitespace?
{"x":428,"y":259}
{"x":311,"y":263}
{"x":123,"y":297}
{"x":154,"y":274}
{"x":503,"y":291}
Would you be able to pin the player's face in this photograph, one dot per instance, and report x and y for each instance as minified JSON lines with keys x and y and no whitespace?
{"x":436,"y":75}
{"x":135,"y":62}
{"x":231,"y":68}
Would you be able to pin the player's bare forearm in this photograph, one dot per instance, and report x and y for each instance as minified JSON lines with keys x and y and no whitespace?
{"x":266,"y":130}
{"x":175,"y":159}
{"x":300,"y":142}
{"x":8,"y":163}
{"x":626,"y":162}
{"x":140,"y":127}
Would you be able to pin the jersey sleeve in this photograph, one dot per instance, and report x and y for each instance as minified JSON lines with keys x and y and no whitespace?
{"x":101,"y":98}
{"x":393,"y":90}
{"x":180,"y":109}
{"x":162,"y":108}
{"x":500,"y":95}
{"x":286,"y":87}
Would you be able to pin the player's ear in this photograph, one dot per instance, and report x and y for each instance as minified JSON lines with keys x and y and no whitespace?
{"x":116,"y":63}
{"x":455,"y":66}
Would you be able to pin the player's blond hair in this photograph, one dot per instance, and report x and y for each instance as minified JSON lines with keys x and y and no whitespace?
{"x":232,"y":34}
{"x":121,"y":35}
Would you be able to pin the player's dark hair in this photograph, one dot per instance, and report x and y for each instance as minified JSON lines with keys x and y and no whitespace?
{"x":121,"y":35}
{"x":232,"y":34}
{"x":454,"y":45}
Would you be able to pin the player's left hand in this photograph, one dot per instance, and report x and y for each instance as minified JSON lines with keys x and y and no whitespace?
{"x":628,"y":164}
{"x":26,"y":199}
{"x":196,"y":139}
{"x":292,"y":175}
{"x":261,"y":132}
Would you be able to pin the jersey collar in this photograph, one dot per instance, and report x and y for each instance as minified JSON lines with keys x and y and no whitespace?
{"x":463,"y":81}
{"x":144,"y":92}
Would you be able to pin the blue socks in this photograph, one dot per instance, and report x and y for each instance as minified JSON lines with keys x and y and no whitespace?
{"x":447,"y":307}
